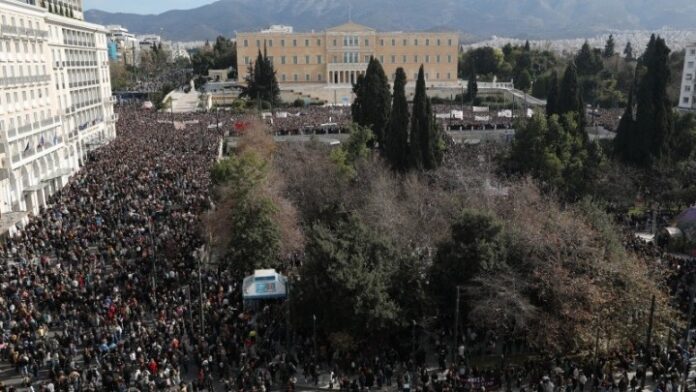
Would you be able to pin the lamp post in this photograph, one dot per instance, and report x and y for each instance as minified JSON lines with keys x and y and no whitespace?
{"x":455,"y":334}
{"x":314,"y":334}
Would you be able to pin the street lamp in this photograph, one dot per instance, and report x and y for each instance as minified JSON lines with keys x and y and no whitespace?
{"x":314,"y":334}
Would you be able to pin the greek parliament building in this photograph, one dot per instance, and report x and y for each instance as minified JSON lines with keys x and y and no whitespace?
{"x":55,"y":100}
{"x":338,"y":55}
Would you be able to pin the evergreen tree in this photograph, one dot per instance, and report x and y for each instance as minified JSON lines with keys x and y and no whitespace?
{"x":654,"y":112}
{"x":527,"y":47}
{"x":628,"y":51}
{"x":261,"y":82}
{"x":425,"y":139}
{"x":396,"y":140}
{"x":374,"y":100}
{"x":472,"y":84}
{"x":552,"y":96}
{"x":647,"y":137}
{"x":523,"y":81}
{"x":356,"y":108}
{"x":587,"y":61}
{"x":570,"y":99}
{"x":609,"y":47}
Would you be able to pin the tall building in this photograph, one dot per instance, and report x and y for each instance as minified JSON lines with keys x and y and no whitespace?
{"x":687,"y":96}
{"x":338,"y":55}
{"x":123,"y":47}
{"x":55,"y":98}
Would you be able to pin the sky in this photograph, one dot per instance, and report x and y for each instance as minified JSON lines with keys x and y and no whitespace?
{"x":143,"y":6}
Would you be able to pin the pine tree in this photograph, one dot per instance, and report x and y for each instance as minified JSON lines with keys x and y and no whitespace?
{"x":374,"y":100}
{"x":628,"y":51}
{"x":609,"y":48}
{"x":261,"y":82}
{"x":587,"y":61}
{"x":552,"y":96}
{"x":396,"y":140}
{"x":524,"y":81}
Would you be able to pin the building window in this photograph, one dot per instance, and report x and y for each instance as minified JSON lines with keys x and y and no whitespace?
{"x":687,"y":88}
{"x":449,"y":76}
{"x":334,"y":43}
{"x":690,"y":64}
{"x":270,"y":43}
{"x":415,"y":59}
{"x":258,"y":43}
{"x":393,"y":42}
{"x":404,"y":59}
{"x":367,"y":59}
{"x":437,"y":59}
{"x":415,"y":42}
{"x":689,"y":76}
{"x":405,"y":42}
{"x":294,"y":77}
{"x":246,"y":60}
{"x":307,"y":78}
{"x":381,"y":59}
{"x":318,"y":42}
{"x":449,"y":59}
{"x":319,"y":77}
{"x":686,"y":100}
{"x":318,"y":59}
{"x":282,"y":42}
{"x":381,"y":42}
{"x":335,"y":59}
{"x":282,"y":60}
{"x":306,"y":59}
{"x":246,"y":43}
{"x":294,"y":59}
{"x":367,"y":43}
{"x":306,"y":43}
{"x":427,"y":42}
{"x":693,"y":52}
{"x":393,"y":59}
{"x":282,"y":77}
{"x":294,"y":43}
{"x":438,"y":42}
{"x":427,"y":59}
{"x":437,"y":76}
{"x":449,"y":42}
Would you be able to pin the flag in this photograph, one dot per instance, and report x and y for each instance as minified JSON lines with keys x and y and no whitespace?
{"x":27,"y":147}
{"x":41,"y":141}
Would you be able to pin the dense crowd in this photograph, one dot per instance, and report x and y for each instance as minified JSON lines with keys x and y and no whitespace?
{"x":101,"y":292}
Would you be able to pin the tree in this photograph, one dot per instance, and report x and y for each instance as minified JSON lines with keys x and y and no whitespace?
{"x":426,"y":142}
{"x":472,"y":85}
{"x":396,"y":139}
{"x":609,"y":47}
{"x":475,"y":246}
{"x":552,"y":96}
{"x":345,"y":280}
{"x":486,"y":60}
{"x":570,"y":99}
{"x":374,"y":100}
{"x":649,"y":138}
{"x":628,"y":52}
{"x":523,"y":81}
{"x":587,"y":61}
{"x":261,"y":82}
{"x":527,"y":46}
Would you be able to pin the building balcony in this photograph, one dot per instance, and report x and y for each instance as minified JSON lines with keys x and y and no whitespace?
{"x":23,"y":32}
{"x":30,"y":129}
{"x":23,"y":80}
{"x":27,"y":156}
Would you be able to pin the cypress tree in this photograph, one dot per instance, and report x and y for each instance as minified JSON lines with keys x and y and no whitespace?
{"x":472,"y":84}
{"x":261,"y":82}
{"x":569,"y":100}
{"x":625,"y":142}
{"x":396,"y":140}
{"x":587,"y":61}
{"x":356,"y":108}
{"x":418,"y":121}
{"x":527,"y":47}
{"x":609,"y":47}
{"x":552,"y":96}
{"x":628,"y":51}
{"x":374,"y":100}
{"x":426,"y":142}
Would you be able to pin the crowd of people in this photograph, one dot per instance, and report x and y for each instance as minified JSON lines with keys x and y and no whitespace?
{"x":98,"y":291}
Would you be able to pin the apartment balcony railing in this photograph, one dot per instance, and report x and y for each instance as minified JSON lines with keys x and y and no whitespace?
{"x":17,"y":80}
{"x":29,"y":128}
{"x":23,"y":32}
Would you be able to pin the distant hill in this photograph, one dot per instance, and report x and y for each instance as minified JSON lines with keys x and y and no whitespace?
{"x":538,"y":19}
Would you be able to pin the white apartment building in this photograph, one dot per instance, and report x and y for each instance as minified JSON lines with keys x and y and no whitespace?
{"x":687,"y":96}
{"x":55,"y":100}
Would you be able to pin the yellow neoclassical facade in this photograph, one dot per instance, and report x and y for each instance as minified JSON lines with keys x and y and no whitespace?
{"x":338,"y":55}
